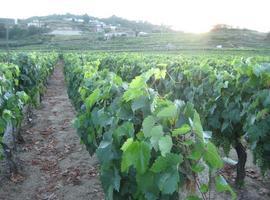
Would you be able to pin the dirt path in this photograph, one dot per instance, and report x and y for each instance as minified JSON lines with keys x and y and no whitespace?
{"x":54,"y":164}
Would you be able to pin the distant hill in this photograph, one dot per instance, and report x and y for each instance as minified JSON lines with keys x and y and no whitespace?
{"x":75,"y":32}
{"x":113,"y":20}
{"x":237,"y":38}
{"x":135,"y":25}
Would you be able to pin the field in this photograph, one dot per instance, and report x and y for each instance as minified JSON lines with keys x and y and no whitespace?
{"x":167,"y":42}
{"x":162,"y":124}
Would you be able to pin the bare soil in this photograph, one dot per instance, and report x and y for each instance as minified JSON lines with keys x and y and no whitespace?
{"x":53,"y":164}
{"x":256,"y":186}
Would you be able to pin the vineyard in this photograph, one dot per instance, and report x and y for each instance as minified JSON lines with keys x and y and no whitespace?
{"x":162,"y":126}
{"x":22,"y":82}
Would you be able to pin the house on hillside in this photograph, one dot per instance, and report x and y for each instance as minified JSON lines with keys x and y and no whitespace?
{"x":110,"y":28}
{"x":67,"y":31}
{"x":97,"y":26}
{"x":79,"y":20}
{"x":108,"y":36}
{"x":68,"y":19}
{"x":7,"y":21}
{"x":36,"y":23}
{"x":73,"y":20}
{"x":219,"y":46}
{"x":170,"y":46}
{"x":143,"y":34}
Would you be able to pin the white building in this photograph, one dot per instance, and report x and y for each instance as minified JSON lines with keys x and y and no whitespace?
{"x":111,"y":35}
{"x":65,"y":32}
{"x":79,"y":20}
{"x":142,"y":34}
{"x":36,"y":23}
{"x":219,"y":46}
{"x":68,"y":19}
{"x":73,"y":19}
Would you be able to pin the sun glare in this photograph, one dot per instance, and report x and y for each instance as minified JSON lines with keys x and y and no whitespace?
{"x":186,"y":15}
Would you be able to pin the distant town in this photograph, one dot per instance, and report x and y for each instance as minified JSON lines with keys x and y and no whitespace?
{"x":73,"y":32}
{"x":78,"y":25}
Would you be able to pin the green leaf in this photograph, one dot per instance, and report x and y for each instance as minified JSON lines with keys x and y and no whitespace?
{"x":197,"y":125}
{"x":170,"y":111}
{"x":197,"y":151}
{"x":126,"y":129}
{"x":156,"y":133}
{"x":146,"y":183}
{"x":197,"y":168}
{"x":23,"y":96}
{"x":189,"y":110}
{"x":2,"y":125}
{"x":168,"y":181}
{"x":159,"y":74}
{"x":110,"y":177}
{"x":165,"y":144}
{"x":136,"y":89}
{"x":193,"y":198}
{"x":140,"y":136}
{"x":125,"y":112}
{"x":127,"y":143}
{"x":138,"y":103}
{"x":204,"y":188}
{"x":222,"y":186}
{"x":7,"y":115}
{"x":92,"y":99}
{"x":185,"y":128}
{"x":104,"y":151}
{"x":212,"y":157}
{"x":148,"y":124}
{"x":163,"y":163}
{"x":136,"y":154}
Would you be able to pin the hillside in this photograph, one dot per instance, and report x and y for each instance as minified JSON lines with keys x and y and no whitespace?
{"x":83,"y":32}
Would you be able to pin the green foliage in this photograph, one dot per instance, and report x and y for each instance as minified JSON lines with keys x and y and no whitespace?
{"x":136,"y":154}
{"x":149,"y":144}
{"x":222,"y":186}
{"x":20,"y":82}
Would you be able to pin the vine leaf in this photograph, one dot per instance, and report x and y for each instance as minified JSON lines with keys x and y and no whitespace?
{"x":197,"y":126}
{"x":212,"y":157}
{"x":92,"y":99}
{"x":146,"y":183}
{"x":165,"y":144}
{"x":184,"y":129}
{"x":170,"y":111}
{"x":136,"y":154}
{"x":148,"y":124}
{"x":163,"y":163}
{"x":222,"y":186}
{"x":168,"y":181}
{"x":156,"y":133}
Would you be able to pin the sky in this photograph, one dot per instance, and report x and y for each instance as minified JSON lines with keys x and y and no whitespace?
{"x":187,"y":15}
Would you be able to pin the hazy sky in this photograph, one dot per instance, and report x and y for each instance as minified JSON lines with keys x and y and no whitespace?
{"x":187,"y":15}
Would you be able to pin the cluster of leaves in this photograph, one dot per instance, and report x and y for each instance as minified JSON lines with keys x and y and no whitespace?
{"x":149,"y":147}
{"x":22,"y":79}
{"x":35,"y":69}
{"x":228,"y":92}
{"x":227,"y":99}
{"x":11,"y":101}
{"x":257,"y":124}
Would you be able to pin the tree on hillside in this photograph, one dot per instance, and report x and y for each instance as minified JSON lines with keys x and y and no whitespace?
{"x":2,"y":31}
{"x":219,"y":27}
{"x":86,"y":18}
{"x":268,"y":36}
